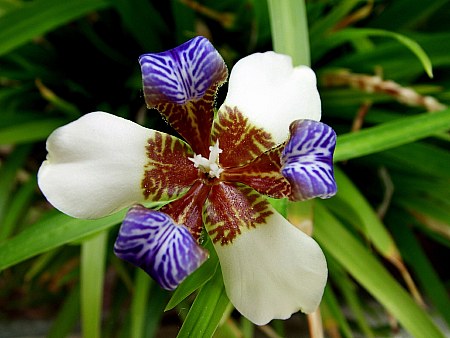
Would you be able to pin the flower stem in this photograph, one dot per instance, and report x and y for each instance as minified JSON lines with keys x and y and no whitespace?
{"x":93,"y":255}
{"x":290,"y":34}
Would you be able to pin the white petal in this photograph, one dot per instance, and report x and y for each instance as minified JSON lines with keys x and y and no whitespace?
{"x":94,"y":165}
{"x":273,"y":271}
{"x":271,"y":93}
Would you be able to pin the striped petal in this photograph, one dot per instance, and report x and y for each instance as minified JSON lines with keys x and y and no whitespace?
{"x":271,"y":93}
{"x":165,"y":250}
{"x":307,"y":160}
{"x":102,"y":163}
{"x":182,"y":83}
{"x":272,"y":270}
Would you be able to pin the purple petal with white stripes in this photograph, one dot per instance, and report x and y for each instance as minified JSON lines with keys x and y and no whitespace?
{"x":152,"y":241}
{"x":181,"y":74}
{"x":182,"y":84}
{"x":307,"y":160}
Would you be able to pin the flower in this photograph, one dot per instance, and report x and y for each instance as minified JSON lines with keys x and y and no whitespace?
{"x":264,"y":140}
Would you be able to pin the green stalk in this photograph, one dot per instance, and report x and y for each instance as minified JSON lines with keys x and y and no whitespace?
{"x":289,"y":26}
{"x":93,"y":254}
{"x":139,"y":303}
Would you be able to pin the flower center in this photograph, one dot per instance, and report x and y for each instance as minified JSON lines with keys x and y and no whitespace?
{"x":209,"y":165}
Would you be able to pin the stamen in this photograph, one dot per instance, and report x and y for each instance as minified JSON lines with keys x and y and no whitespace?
{"x":209,"y":165}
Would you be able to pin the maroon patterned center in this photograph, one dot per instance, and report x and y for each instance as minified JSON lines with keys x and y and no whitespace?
{"x":193,"y":119}
{"x":231,"y":209}
{"x":168,"y":172}
{"x":227,"y":204}
{"x":240,"y":140}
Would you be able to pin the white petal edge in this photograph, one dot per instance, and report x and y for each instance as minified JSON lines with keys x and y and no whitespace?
{"x":94,"y":165}
{"x":272,"y":93}
{"x":273,"y":271}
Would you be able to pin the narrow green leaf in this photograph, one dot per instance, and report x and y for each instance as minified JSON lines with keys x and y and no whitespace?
{"x":194,"y":281}
{"x":371,"y":274}
{"x":391,"y":134}
{"x":93,"y":254}
{"x":349,"y":292}
{"x":402,"y":14}
{"x":417,"y":158}
{"x":67,"y":316}
{"x":247,"y":328}
{"x":421,"y":265}
{"x":143,"y":22}
{"x":38,"y":17}
{"x":41,"y":263}
{"x":397,"y":62}
{"x":17,"y":208}
{"x":207,"y":309}
{"x":8,"y":5}
{"x":332,"y":311}
{"x":261,"y":21}
{"x":326,"y":23}
{"x":8,"y":173}
{"x":434,"y":215}
{"x":351,"y":205}
{"x":350,"y":34}
{"x":155,"y":310}
{"x":139,"y":303}
{"x":29,"y":131}
{"x":185,"y":19}
{"x":289,"y":26}
{"x":51,"y":233}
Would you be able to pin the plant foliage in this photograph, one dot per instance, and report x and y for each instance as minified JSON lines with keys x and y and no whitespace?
{"x":383,"y":74}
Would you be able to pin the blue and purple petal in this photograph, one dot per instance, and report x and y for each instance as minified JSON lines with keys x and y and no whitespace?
{"x":182,"y":83}
{"x":307,"y":160}
{"x":165,"y":250}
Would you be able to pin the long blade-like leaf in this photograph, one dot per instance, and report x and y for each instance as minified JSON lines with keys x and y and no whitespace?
{"x":51,"y":233}
{"x":39,"y":17}
{"x":391,"y":134}
{"x":371,"y":274}
{"x":93,"y":254}
{"x":207,"y":309}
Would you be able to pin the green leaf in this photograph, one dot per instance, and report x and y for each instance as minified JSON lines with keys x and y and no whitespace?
{"x":184,"y":18}
{"x":38,"y":17}
{"x":51,"y":233}
{"x":139,"y":303}
{"x":8,"y":179}
{"x":350,"y":34}
{"x":352,"y":206}
{"x":405,"y":13}
{"x":29,"y":131}
{"x":93,"y":254}
{"x":327,"y":22}
{"x":289,"y":26}
{"x":421,"y":265}
{"x":397,"y":62}
{"x":67,"y":316}
{"x":17,"y":208}
{"x":207,"y":309}
{"x":418,"y":158}
{"x":332,"y":312}
{"x":143,"y":21}
{"x":155,"y":310}
{"x":194,"y":281}
{"x":348,"y":291}
{"x":391,"y":134}
{"x":371,"y":274}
